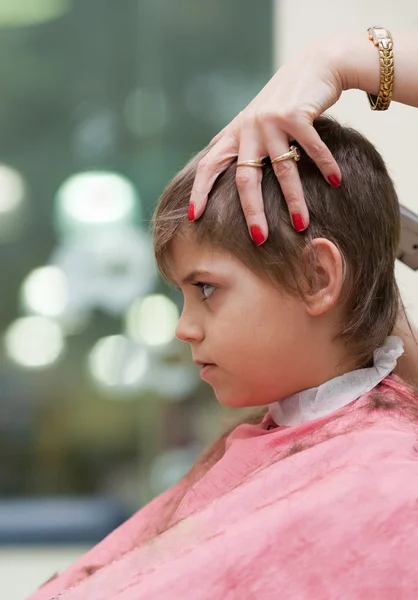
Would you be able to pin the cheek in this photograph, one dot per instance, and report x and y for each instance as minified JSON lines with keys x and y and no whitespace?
{"x":263,"y":356}
{"x":259,"y":331}
{"x":260,"y":346}
{"x":256,"y":333}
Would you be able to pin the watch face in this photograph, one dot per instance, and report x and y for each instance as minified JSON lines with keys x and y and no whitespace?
{"x":379,"y":33}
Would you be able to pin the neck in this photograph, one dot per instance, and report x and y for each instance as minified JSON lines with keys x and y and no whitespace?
{"x":321,"y":400}
{"x":328,"y":358}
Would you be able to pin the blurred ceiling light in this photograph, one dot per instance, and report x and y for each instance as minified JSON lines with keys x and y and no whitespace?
{"x":13,"y":202}
{"x":18,"y":13}
{"x":117,"y":362}
{"x":34,"y":342}
{"x":45,"y":292}
{"x":95,"y":198}
{"x":12,"y":189}
{"x":152,"y":320}
{"x":146,"y":111}
{"x":107,"y":270}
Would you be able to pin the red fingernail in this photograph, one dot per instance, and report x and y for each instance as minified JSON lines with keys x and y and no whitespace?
{"x":334,"y":181}
{"x":190,"y":212}
{"x":257,"y":235}
{"x":298,"y":222}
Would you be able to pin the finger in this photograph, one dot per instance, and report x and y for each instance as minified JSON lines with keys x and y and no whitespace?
{"x":230,"y":128}
{"x":277,"y":143}
{"x":248,"y":181}
{"x":309,"y":139}
{"x":219,"y":135}
{"x":219,"y":157}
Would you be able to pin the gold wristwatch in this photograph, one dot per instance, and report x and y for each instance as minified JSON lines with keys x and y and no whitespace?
{"x":382,"y":39}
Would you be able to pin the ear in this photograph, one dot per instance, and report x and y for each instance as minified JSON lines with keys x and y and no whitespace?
{"x":324,"y":270}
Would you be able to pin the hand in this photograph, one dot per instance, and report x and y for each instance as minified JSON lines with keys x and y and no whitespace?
{"x":283,"y":111}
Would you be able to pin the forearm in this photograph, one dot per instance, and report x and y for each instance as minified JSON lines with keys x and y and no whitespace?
{"x":356,"y":60}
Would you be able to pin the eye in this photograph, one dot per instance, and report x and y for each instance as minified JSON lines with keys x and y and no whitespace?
{"x":207,"y":289}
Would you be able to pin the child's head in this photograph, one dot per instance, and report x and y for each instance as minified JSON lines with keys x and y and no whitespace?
{"x":303,"y":307}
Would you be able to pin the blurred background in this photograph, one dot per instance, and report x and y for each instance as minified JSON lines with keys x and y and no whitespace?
{"x":101,"y":409}
{"x":101,"y":103}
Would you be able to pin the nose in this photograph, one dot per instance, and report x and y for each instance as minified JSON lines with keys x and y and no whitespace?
{"x":188,"y":329}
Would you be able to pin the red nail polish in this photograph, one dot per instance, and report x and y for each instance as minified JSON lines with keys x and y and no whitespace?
{"x":298,"y":222}
{"x":257,"y":235}
{"x":334,"y":181}
{"x":190,"y":212}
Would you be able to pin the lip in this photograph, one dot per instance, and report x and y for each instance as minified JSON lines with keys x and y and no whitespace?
{"x":202,"y":363}
{"x":205,"y":370}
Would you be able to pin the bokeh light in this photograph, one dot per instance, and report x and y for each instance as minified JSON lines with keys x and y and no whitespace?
{"x":107,"y":270}
{"x":95,"y":199}
{"x":95,"y":132}
{"x":117,"y":363}
{"x":34,"y":342}
{"x":31,"y":12}
{"x":13,"y":203}
{"x":45,"y":292}
{"x":152,"y":320}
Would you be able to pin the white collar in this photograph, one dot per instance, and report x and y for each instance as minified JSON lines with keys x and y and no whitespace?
{"x":334,"y":394}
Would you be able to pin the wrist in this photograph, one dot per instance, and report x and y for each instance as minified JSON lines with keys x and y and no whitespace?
{"x":356,"y":62}
{"x":339,"y":61}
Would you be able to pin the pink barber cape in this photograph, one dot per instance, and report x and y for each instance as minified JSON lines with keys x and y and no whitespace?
{"x":336,"y":520}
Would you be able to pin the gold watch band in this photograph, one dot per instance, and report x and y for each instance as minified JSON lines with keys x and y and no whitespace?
{"x":382,"y":39}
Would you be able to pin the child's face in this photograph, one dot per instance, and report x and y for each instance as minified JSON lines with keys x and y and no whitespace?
{"x":257,"y":341}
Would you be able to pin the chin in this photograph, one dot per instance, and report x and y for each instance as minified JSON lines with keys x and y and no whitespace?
{"x":237,"y":400}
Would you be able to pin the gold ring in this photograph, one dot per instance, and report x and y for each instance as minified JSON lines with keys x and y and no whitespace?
{"x":250,"y":163}
{"x":292,"y":154}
